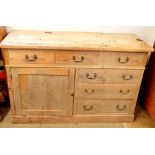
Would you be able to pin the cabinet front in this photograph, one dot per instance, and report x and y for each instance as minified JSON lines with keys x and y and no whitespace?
{"x":43,"y":91}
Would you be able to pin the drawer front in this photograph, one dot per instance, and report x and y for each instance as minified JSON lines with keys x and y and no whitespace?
{"x":123,"y":59}
{"x":100,"y":107}
{"x":30,"y":57}
{"x":107,"y":91}
{"x":78,"y":58}
{"x":119,"y":76}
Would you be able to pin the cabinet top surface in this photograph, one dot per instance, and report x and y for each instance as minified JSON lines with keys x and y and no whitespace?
{"x":75,"y":41}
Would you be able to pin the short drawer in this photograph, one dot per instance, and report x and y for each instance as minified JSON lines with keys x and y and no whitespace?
{"x":123,"y":59}
{"x":107,"y":76}
{"x":101,"y":107}
{"x":107,"y":91}
{"x":78,"y":58}
{"x":30,"y":57}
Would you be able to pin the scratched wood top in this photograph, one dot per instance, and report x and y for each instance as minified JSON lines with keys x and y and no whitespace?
{"x":75,"y":41}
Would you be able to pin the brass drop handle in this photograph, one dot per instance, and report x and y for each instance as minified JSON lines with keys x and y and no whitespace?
{"x":125,"y":77}
{"x":120,"y":108}
{"x":123,"y":61}
{"x":31,"y":58}
{"x":87,"y":107}
{"x":90,"y":92}
{"x":76,"y":60}
{"x":124,"y":92}
{"x":90,"y":77}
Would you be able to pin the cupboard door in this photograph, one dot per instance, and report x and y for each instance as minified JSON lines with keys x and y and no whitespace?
{"x":43,"y":91}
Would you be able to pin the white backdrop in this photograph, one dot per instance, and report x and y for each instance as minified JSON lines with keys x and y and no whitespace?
{"x":79,"y":15}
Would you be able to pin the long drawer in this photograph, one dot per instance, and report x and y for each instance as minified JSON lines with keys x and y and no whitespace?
{"x":103,"y":58}
{"x":119,"y":76}
{"x":30,"y":57}
{"x":100,"y":107}
{"x":107,"y":91}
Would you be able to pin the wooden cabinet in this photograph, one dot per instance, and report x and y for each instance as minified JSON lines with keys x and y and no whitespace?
{"x":73,"y":76}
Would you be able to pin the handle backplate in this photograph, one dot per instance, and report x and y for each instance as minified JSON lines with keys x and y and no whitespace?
{"x":75,"y":59}
{"x":121,"y":107}
{"x":86,"y":107}
{"x":31,"y":58}
{"x":89,"y":91}
{"x":124,"y":91}
{"x":88,"y":76}
{"x":120,"y":60}
{"x":127,"y":77}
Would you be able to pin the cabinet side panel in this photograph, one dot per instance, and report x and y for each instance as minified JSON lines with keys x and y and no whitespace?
{"x":10,"y":90}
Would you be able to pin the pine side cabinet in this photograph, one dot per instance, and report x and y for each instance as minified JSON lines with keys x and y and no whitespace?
{"x":73,"y":76}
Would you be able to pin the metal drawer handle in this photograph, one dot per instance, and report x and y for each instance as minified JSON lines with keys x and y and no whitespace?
{"x":125,"y":77}
{"x":124,"y":92}
{"x":120,"y":108}
{"x":87,"y":107}
{"x":90,"y":92}
{"x":121,"y":61}
{"x":89,"y":77}
{"x":75,"y":59}
{"x":31,"y":58}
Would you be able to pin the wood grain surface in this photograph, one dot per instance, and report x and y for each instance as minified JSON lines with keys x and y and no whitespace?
{"x":75,"y":41}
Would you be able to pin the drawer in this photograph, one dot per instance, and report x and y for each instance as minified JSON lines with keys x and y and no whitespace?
{"x":123,"y":59}
{"x":119,"y":76}
{"x":30,"y":57}
{"x":101,"y":107}
{"x":107,"y":91}
{"x":77,"y":58}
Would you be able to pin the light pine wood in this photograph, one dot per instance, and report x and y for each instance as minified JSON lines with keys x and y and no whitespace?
{"x":74,"y":119}
{"x":51,"y":57}
{"x":75,"y":66}
{"x":28,"y":57}
{"x":10,"y":90}
{"x":102,"y":107}
{"x":104,"y":58}
{"x":42,"y":91}
{"x":109,"y":76}
{"x":75,"y":41}
{"x":123,"y":59}
{"x":106,"y":91}
{"x":5,"y":56}
{"x":78,"y":58}
{"x":76,"y":77}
